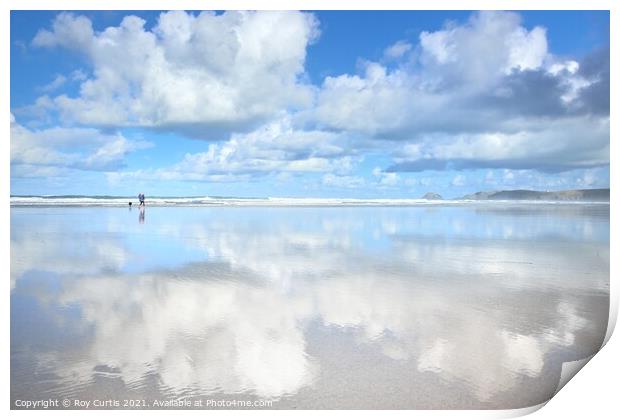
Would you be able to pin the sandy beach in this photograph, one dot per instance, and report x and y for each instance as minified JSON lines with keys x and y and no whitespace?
{"x":471,"y":306}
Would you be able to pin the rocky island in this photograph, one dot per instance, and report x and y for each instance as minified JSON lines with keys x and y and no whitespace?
{"x":432,"y":196}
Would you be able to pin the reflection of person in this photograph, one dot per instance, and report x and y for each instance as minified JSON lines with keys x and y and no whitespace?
{"x":141,"y":198}
{"x":141,"y":215}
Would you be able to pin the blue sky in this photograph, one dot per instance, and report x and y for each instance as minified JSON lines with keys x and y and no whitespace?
{"x":315,"y":104}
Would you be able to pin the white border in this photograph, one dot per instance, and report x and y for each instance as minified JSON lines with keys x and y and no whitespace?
{"x":594,"y":391}
{"x":308,"y":5}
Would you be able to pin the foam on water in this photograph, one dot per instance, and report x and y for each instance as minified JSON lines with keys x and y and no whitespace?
{"x":107,"y":201}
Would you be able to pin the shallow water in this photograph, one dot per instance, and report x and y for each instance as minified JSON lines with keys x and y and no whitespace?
{"x":469,"y":306}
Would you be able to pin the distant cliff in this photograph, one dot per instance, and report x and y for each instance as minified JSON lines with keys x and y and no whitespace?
{"x":601,"y":194}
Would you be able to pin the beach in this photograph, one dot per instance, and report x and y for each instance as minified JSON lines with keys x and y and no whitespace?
{"x":416,"y":305}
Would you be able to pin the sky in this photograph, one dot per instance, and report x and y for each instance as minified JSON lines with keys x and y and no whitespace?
{"x":374,"y":104}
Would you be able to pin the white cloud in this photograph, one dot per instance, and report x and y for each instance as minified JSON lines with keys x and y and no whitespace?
{"x":397,"y":50}
{"x":68,"y":31}
{"x":527,"y":49}
{"x":460,"y":65}
{"x":385,"y":179}
{"x":484,"y":92}
{"x":588,"y":179}
{"x":458,"y":181}
{"x":274,"y":148}
{"x":378,"y":101}
{"x":78,"y":75}
{"x":204,"y":73}
{"x":55,"y":84}
{"x":488,"y":46}
{"x":343,"y":181}
{"x":552,"y":146}
{"x":42,"y":153}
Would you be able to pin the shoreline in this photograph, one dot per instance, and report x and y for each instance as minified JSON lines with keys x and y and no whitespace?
{"x":361,"y":203}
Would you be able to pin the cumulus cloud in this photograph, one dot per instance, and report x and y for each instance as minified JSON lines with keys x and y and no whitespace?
{"x":549,"y":146}
{"x":490,"y":44}
{"x":594,"y":97}
{"x":397,"y":50}
{"x":273,"y":148}
{"x":68,"y":31}
{"x":200,"y":74}
{"x":487,"y":93}
{"x":46,"y":152}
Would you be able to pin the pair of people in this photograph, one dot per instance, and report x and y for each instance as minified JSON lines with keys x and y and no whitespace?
{"x":140,"y":198}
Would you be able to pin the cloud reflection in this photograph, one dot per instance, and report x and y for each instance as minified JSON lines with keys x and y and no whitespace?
{"x":487,"y":316}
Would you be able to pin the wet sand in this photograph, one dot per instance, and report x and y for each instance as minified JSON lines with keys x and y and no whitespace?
{"x":468,"y":306}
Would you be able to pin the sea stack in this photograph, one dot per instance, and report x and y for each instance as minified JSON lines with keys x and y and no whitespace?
{"x":432,"y":196}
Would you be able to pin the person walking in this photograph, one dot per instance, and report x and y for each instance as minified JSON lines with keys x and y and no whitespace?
{"x":141,"y":198}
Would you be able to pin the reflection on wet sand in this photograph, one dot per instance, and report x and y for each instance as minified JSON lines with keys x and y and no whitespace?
{"x":369,"y":309}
